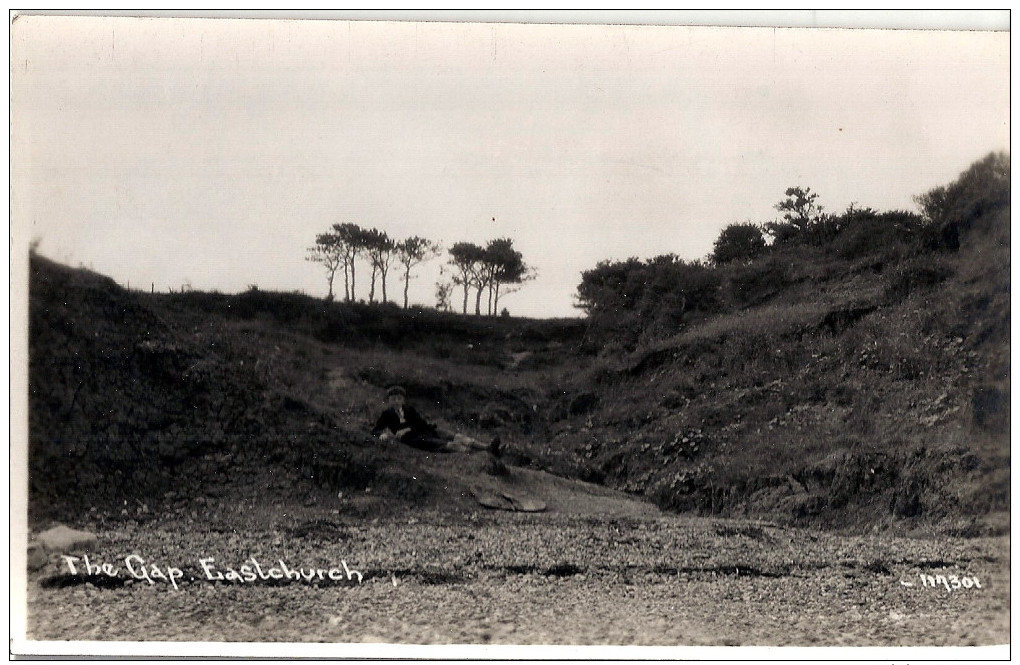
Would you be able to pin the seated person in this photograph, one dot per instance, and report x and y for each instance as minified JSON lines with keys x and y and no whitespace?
{"x":402,"y":421}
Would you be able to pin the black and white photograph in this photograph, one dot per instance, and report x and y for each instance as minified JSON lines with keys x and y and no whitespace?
{"x":566,"y":334}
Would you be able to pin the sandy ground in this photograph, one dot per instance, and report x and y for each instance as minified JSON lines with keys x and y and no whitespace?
{"x":597,"y":568}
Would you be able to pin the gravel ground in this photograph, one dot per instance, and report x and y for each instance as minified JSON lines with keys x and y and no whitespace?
{"x":625,"y":575}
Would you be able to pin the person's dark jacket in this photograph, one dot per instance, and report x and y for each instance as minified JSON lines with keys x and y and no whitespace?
{"x":422,"y":434}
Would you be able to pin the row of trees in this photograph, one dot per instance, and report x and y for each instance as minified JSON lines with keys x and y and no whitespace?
{"x":492,"y":270}
{"x":342,"y":246}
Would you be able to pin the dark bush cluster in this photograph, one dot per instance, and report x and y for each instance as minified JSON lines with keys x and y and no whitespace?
{"x":739,"y":242}
{"x":632,"y":297}
{"x":858,"y":233}
{"x":980,"y":190}
{"x":854,"y":233}
{"x":629,"y":301}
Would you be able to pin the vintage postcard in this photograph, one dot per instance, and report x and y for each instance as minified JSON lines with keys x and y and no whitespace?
{"x":582,"y":334}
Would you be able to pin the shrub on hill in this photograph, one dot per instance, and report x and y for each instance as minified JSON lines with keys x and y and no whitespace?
{"x":859,"y":233}
{"x":738,"y":242}
{"x":625,"y":300}
{"x":980,"y":190}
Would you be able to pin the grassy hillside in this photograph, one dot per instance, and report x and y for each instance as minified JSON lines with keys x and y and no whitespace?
{"x":866,"y":392}
{"x":140,"y":400}
{"x":870,"y":389}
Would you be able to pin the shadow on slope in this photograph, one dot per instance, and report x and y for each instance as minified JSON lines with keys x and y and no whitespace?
{"x":142,"y":403}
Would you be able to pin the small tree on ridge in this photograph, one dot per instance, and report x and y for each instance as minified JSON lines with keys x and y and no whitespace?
{"x":410,"y":253}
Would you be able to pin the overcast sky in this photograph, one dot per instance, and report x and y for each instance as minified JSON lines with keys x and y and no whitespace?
{"x":212,"y":151}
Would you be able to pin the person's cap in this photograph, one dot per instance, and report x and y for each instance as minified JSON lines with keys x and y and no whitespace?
{"x":396,"y":390}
